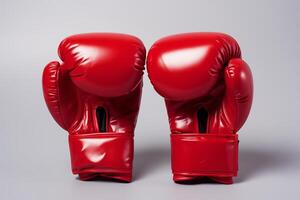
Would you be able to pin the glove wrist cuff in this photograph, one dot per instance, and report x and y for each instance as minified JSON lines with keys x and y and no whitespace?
{"x":107,"y":155}
{"x":197,"y":155}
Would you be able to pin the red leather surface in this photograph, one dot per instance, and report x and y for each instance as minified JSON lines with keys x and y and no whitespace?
{"x":99,"y":70}
{"x":202,"y":71}
{"x":174,"y":62}
{"x":107,"y":154}
{"x":204,"y":155}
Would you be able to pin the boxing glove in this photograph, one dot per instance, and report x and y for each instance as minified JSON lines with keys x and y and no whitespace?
{"x":94,"y":94}
{"x":208,"y":93}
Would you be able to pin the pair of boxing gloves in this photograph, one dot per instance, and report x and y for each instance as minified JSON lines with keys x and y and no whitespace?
{"x":95,"y":93}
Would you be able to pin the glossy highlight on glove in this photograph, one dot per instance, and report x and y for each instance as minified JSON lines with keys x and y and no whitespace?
{"x":95,"y":95}
{"x":208,"y":91}
{"x":109,"y":153}
{"x":174,"y":61}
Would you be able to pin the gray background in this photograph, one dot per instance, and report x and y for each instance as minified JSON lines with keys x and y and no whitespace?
{"x":34,"y":157}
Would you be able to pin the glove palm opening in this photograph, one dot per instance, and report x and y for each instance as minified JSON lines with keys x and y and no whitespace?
{"x":101,"y":118}
{"x":202,"y":116}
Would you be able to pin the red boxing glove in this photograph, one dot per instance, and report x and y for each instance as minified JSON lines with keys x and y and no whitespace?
{"x":95,"y":95}
{"x":208,"y":92}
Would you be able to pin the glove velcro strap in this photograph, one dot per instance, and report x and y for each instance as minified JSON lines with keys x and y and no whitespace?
{"x":195,"y":154}
{"x":106,"y":154}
